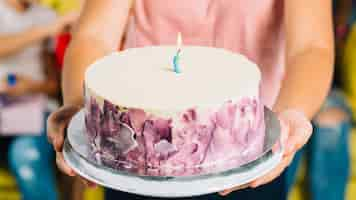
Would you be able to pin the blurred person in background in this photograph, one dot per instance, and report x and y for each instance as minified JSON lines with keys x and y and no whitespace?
{"x":327,"y":152}
{"x":348,"y":60}
{"x":25,"y":28}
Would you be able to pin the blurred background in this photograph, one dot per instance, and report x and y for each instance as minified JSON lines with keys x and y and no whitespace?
{"x":326,"y":166}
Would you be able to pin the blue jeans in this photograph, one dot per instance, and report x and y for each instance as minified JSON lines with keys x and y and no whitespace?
{"x":30,"y":159}
{"x":275,"y":190}
{"x":327,"y":157}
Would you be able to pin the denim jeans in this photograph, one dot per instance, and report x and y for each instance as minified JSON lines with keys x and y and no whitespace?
{"x":327,"y":158}
{"x":30,"y":159}
{"x":275,"y":190}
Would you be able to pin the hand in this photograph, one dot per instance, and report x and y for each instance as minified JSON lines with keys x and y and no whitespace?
{"x":59,"y":25}
{"x":23,"y":86}
{"x":296,"y":130}
{"x":56,"y":125}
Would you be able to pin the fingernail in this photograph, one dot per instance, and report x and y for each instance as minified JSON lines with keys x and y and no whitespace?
{"x":290,"y":148}
{"x":276,"y":148}
{"x":85,"y":183}
{"x":72,"y":173}
{"x":224,"y":193}
{"x":255,"y":185}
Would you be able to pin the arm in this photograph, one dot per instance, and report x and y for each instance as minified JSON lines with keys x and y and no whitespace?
{"x":309,"y":56}
{"x":25,"y":85}
{"x":98,"y":32}
{"x":13,"y":43}
{"x":309,"y":69}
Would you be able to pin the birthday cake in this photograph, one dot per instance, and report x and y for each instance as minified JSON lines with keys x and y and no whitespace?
{"x":143,"y":118}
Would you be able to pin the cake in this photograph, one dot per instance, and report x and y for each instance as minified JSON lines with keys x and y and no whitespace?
{"x":145,"y":119}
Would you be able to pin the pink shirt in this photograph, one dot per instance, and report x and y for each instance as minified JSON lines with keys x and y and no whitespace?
{"x":253,"y":28}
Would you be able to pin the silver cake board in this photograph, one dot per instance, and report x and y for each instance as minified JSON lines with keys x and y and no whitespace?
{"x":76,"y":155}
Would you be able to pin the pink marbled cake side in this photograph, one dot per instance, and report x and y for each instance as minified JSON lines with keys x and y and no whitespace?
{"x":193,"y":142}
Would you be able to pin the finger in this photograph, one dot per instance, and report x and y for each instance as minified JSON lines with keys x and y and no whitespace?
{"x":300,"y":136}
{"x":56,"y":124}
{"x":62,"y":165}
{"x":300,"y":130}
{"x":228,"y":191}
{"x":284,"y":129}
{"x":305,"y":131}
{"x":273,"y":174}
{"x":64,"y":114}
{"x":50,"y":129}
{"x":67,"y":170}
{"x":55,"y":135}
{"x":225,"y":192}
{"x":59,"y":140}
{"x":87,"y":182}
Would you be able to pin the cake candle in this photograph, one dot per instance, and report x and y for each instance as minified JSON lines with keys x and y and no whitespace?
{"x":176,"y":66}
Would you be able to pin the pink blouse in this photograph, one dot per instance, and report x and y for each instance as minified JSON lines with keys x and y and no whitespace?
{"x":253,"y":28}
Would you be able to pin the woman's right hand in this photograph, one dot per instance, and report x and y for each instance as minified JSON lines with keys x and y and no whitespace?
{"x":56,"y":127}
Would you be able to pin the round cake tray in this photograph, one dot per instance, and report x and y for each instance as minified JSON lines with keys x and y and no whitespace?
{"x":77,"y":157}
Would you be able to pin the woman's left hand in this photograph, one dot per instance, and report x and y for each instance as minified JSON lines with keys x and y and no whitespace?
{"x":23,"y":86}
{"x":296,"y":130}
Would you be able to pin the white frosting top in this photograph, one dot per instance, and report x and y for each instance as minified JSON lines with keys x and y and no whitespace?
{"x":144,"y":78}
